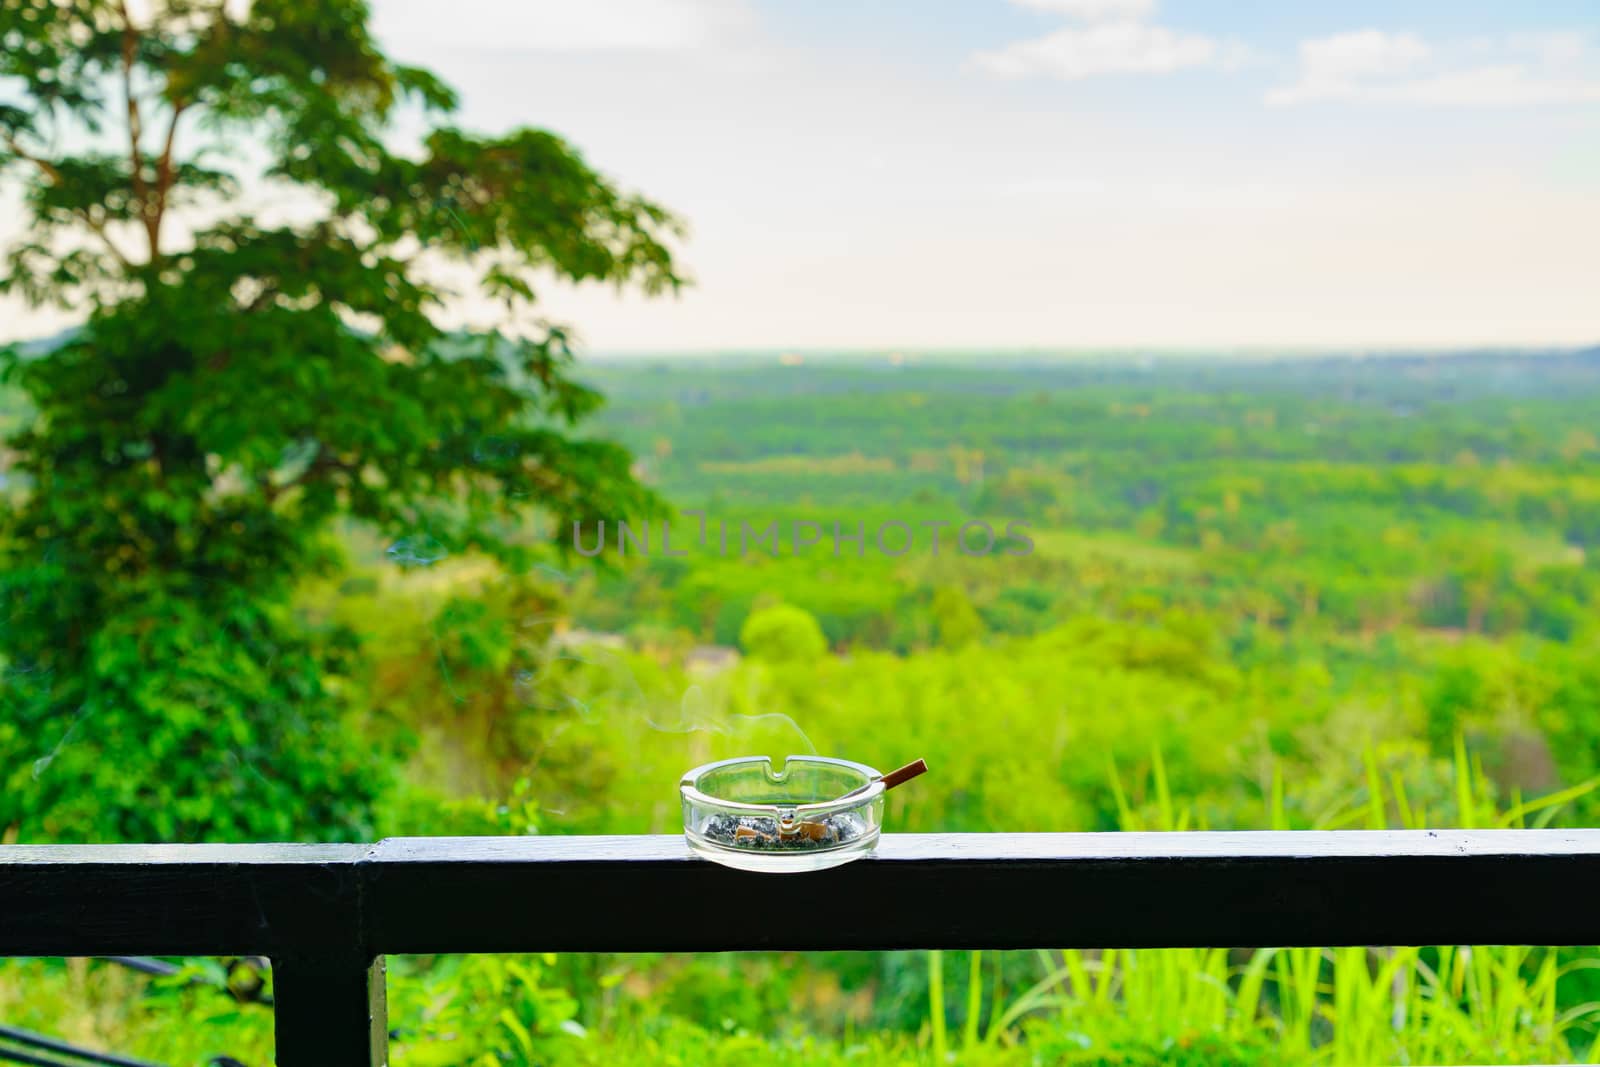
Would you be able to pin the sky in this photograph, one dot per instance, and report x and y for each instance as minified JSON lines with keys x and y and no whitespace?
{"x":1063,"y":173}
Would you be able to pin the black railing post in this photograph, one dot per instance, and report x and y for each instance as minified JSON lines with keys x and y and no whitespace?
{"x":331,"y":1011}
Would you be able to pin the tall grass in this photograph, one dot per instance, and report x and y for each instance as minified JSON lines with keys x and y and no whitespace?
{"x":1448,"y":1004}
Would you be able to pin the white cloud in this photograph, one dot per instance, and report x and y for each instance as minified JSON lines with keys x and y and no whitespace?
{"x":560,"y":25}
{"x":1508,"y":85}
{"x":1094,"y":10}
{"x":1554,"y":49}
{"x":1113,"y":48}
{"x":1365,"y":53}
{"x":1372,"y":65}
{"x":1114,"y":37}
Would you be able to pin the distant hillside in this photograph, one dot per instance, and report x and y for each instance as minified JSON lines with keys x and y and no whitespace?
{"x":40,"y":345}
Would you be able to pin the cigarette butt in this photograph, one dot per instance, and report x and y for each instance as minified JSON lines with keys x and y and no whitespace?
{"x":904,"y":774}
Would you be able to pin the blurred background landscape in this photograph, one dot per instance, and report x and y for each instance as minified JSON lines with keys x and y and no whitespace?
{"x":1276,"y":335}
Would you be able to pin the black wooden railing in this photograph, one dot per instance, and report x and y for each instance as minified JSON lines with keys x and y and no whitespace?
{"x":326,"y":915}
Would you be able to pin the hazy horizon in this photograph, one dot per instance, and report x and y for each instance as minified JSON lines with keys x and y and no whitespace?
{"x":938,"y":353}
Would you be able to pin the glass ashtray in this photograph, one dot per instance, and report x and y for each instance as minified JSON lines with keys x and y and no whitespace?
{"x":742,"y":813}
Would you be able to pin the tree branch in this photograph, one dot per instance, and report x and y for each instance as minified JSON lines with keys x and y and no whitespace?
{"x":50,"y":171}
{"x":141,"y":192}
{"x":164,"y":178}
{"x":45,"y":166}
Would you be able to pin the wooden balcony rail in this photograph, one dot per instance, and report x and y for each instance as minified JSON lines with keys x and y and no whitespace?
{"x":326,"y":915}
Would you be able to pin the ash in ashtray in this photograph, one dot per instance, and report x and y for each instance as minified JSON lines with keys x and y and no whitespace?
{"x":760,"y":832}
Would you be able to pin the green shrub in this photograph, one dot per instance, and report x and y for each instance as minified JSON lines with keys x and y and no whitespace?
{"x":783,"y":634}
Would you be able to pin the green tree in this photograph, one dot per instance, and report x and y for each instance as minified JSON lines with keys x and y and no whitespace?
{"x":247,"y":376}
{"x":782,"y":633}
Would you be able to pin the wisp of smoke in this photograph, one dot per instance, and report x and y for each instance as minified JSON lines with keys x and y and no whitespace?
{"x":696,"y":714}
{"x":418,"y":550}
{"x":42,"y":764}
